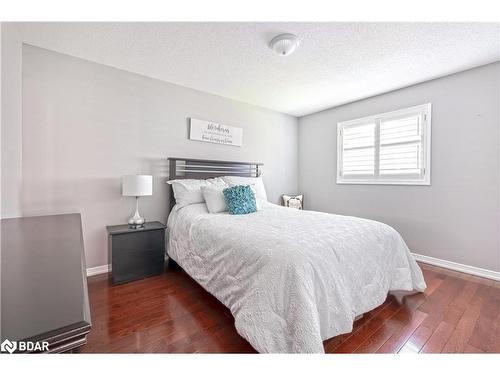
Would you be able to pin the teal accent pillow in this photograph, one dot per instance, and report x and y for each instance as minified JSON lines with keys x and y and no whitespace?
{"x":240,"y":200}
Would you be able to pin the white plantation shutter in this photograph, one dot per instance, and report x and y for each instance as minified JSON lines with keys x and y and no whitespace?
{"x":390,"y":148}
{"x":359,"y":150}
{"x":401,"y":146}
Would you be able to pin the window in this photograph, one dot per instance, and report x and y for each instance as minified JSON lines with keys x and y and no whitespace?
{"x":389,"y":148}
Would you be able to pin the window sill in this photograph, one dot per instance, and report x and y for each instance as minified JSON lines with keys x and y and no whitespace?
{"x":404,"y":183}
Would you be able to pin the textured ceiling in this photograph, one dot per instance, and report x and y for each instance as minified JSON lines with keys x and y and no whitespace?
{"x":336,"y":63}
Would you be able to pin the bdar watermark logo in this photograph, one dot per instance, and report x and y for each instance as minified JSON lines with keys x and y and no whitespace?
{"x":8,"y":346}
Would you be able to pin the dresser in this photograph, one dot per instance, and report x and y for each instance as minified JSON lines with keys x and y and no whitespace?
{"x":45,"y":305}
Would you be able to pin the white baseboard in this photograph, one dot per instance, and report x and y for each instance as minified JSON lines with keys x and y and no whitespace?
{"x":476,"y":271}
{"x":98,"y":270}
{"x":104,"y":269}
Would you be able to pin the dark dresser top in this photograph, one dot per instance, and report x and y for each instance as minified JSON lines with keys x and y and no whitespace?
{"x":44,"y":282}
{"x":125,"y":228}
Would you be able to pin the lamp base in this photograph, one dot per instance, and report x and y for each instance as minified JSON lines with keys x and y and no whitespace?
{"x":136,"y":226}
{"x":136,"y":221}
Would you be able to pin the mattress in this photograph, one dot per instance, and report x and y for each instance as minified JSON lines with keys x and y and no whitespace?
{"x":291,"y":278}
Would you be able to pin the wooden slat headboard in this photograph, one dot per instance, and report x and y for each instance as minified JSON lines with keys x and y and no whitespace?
{"x":182,"y":168}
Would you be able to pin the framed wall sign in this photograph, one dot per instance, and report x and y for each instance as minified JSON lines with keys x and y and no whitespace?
{"x":209,"y":131}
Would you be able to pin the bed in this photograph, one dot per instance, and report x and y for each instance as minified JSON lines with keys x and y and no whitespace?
{"x":291,"y":278}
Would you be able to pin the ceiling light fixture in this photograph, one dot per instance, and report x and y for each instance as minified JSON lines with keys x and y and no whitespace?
{"x":284,"y":44}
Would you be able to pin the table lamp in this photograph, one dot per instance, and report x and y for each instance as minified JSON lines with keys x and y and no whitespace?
{"x":137,"y":186}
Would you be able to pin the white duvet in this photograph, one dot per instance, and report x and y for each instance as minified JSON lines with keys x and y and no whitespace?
{"x":291,"y":278}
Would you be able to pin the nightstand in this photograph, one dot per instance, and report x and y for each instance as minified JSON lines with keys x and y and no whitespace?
{"x":136,"y":253}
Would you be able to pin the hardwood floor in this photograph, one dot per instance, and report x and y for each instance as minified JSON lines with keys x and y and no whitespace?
{"x":171,"y":313}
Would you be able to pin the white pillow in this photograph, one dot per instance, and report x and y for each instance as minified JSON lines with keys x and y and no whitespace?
{"x":214,"y":198}
{"x":188,"y":191}
{"x":257,"y":199}
{"x":258,"y":184}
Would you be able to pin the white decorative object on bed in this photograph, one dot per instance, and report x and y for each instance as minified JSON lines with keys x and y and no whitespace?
{"x":209,"y":131}
{"x":293,"y":201}
{"x":257,"y":182}
{"x":214,"y":198}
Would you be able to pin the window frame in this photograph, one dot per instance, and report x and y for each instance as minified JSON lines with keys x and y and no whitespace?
{"x":423,"y":109}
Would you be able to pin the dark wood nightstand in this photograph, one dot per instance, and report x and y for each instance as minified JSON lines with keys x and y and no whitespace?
{"x":136,"y":253}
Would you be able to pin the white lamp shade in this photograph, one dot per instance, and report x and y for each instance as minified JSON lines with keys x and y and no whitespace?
{"x":137,"y":185}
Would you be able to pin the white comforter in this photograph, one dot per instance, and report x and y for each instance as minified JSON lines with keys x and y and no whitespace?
{"x":292,"y":278}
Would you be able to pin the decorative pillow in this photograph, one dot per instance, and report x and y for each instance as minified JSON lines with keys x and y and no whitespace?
{"x":260,"y":190}
{"x":188,"y":191}
{"x":258,"y":201}
{"x":214,"y":198}
{"x":293,"y":201}
{"x":240,"y":199}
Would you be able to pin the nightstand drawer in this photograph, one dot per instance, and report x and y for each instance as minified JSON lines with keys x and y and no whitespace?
{"x":131,"y":265}
{"x":140,"y":241}
{"x":135,"y":254}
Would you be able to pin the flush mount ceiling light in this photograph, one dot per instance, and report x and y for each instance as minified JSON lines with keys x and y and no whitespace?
{"x":284,"y":44}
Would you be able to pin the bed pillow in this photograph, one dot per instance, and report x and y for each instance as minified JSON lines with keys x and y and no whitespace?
{"x":240,"y":200}
{"x":214,"y":198}
{"x":260,"y":190}
{"x":188,"y":191}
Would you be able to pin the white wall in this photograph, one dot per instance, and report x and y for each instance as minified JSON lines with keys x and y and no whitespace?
{"x":85,"y":125}
{"x":11,"y":132}
{"x":457,"y":217}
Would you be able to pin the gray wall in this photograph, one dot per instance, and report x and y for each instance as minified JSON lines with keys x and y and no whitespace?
{"x":457,"y":217}
{"x":85,"y":125}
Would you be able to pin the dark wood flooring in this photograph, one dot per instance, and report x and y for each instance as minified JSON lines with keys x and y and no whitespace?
{"x":171,"y":313}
